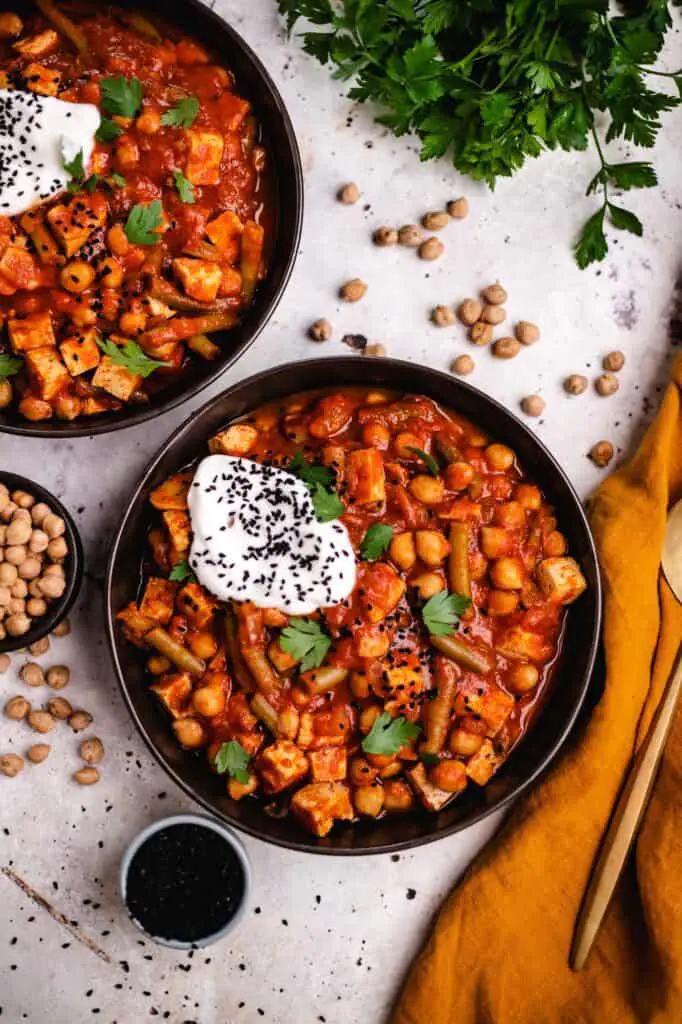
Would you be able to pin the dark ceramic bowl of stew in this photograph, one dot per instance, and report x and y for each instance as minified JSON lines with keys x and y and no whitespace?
{"x":266,"y":191}
{"x":560,"y":705}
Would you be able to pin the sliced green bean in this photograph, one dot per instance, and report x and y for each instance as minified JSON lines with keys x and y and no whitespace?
{"x":462,"y":654}
{"x":264,"y":710}
{"x":175,"y":652}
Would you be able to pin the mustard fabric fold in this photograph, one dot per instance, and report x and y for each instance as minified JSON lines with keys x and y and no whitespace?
{"x":499,"y":950}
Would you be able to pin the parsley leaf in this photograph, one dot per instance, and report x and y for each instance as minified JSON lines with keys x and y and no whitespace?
{"x":625,"y":220}
{"x":375,"y":541}
{"x":442,"y":611}
{"x":108,"y":130}
{"x":76,"y":168}
{"x":592,"y":245}
{"x":388,"y":735}
{"x":185,"y":188}
{"x":427,"y":459}
{"x":306,"y":641}
{"x":142,"y":222}
{"x":118,"y":180}
{"x":9,"y":365}
{"x":428,"y":758}
{"x":317,"y":479}
{"x":183,"y":114}
{"x":182,"y":572}
{"x":121,"y":96}
{"x":131,"y":357}
{"x":326,"y":504}
{"x":233,"y":760}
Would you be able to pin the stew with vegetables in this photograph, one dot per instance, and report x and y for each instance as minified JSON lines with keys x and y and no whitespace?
{"x":151,"y":231}
{"x":418,"y":683}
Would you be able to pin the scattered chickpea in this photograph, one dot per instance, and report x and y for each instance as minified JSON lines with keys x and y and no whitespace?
{"x":469,"y":311}
{"x":431,"y":249}
{"x":526,"y":332}
{"x":321,"y":330}
{"x":533,"y":405}
{"x":58,"y":676}
{"x":410,"y":235}
{"x":17,"y":708}
{"x":606,"y":384}
{"x":601,"y":453}
{"x":377,"y":350}
{"x":39,"y":647}
{"x":576,"y":384}
{"x":493,"y":315}
{"x":458,"y":208}
{"x":59,"y":708}
{"x":506,"y":348}
{"x":494,"y":294}
{"x":348,"y":194}
{"x":353,"y":290}
{"x":463,"y":365}
{"x":384,"y":236}
{"x":38,"y":753}
{"x":11,"y":765}
{"x":41,"y":721}
{"x":436,"y":220}
{"x":442,"y":316}
{"x":32,"y":674}
{"x":614,"y":361}
{"x":86,"y":776}
{"x":63,"y":628}
{"x":36,"y":606}
{"x":480,"y":333}
{"x":92,"y":750}
{"x":80,"y":720}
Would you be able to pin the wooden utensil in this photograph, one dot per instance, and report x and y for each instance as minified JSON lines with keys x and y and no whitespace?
{"x":633,"y":800}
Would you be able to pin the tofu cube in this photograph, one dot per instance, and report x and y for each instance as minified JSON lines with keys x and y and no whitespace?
{"x":135,"y":624}
{"x":20,"y":268}
{"x":560,"y":579}
{"x":158,"y":600}
{"x":73,"y":223}
{"x":42,"y":80}
{"x":118,"y":381}
{"x":521,"y":644}
{"x":282,"y":765}
{"x":33,"y":331}
{"x":179,"y":532}
{"x":46,"y":371}
{"x":381,"y":588}
{"x":225,"y":231}
{"x":38,"y":46}
{"x":43,"y":242}
{"x":196,"y":605}
{"x":172,"y":493}
{"x":320,"y":804}
{"x":93,"y":405}
{"x":81,"y":352}
{"x":238,"y":439}
{"x":328,"y":764}
{"x":365,"y":476}
{"x":482,"y":765}
{"x":205,"y":154}
{"x":432,"y":797}
{"x":174,"y":690}
{"x":493,"y":705}
{"x":201,"y":279}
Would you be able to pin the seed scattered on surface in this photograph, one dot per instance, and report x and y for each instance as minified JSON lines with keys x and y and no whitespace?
{"x":353,"y":290}
{"x":17,"y":708}
{"x":526,"y":332}
{"x":480,"y":333}
{"x":494,"y":294}
{"x":39,"y":752}
{"x":436,"y":220}
{"x":321,"y":330}
{"x":86,"y":776}
{"x":533,"y":405}
{"x":92,"y":750}
{"x":606,"y":384}
{"x":58,"y":676}
{"x":506,"y":348}
{"x":385,"y":236}
{"x":442,"y":316}
{"x":576,"y":384}
{"x":5,"y":662}
{"x":61,"y":629}
{"x":410,"y":235}
{"x":41,"y":721}
{"x":458,"y":208}
{"x":493,"y":315}
{"x":463,"y":365}
{"x":348,"y":194}
{"x":32,"y":674}
{"x":469,"y":311}
{"x":40,"y":646}
{"x":374,"y":350}
{"x":614,"y":361}
{"x":80,"y":720}
{"x":601,"y":453}
{"x":11,"y":765}
{"x":59,"y":707}
{"x":431,"y":249}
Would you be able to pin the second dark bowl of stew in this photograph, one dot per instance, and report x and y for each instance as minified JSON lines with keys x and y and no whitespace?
{"x":553,"y":714}
{"x":210,"y":142}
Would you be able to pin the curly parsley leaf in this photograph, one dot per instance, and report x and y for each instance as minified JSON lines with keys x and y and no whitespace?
{"x":131,"y":357}
{"x":427,"y":459}
{"x":121,"y":96}
{"x":375,"y":541}
{"x":183,"y":114}
{"x":442,"y":611}
{"x":388,"y":735}
{"x":9,"y":365}
{"x":306,"y":641}
{"x":143,"y":221}
{"x":108,"y":130}
{"x":182,"y":573}
{"x":327,"y":505}
{"x":185,"y":188}
{"x":233,"y":760}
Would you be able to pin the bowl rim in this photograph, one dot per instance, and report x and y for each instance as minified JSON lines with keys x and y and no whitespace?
{"x":302,"y":846}
{"x":204,"y":821}
{"x":295,"y":196}
{"x":61,"y":608}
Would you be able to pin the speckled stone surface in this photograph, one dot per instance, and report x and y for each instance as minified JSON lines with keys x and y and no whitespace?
{"x":327,"y":940}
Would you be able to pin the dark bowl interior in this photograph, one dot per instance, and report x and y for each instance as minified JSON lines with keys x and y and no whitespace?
{"x":554,"y":720}
{"x":75,"y":565}
{"x":286,"y":178}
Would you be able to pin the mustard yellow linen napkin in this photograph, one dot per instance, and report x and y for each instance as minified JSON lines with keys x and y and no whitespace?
{"x":499,"y":950}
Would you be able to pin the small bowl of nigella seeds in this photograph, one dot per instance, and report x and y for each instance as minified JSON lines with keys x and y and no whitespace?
{"x":186,"y":881}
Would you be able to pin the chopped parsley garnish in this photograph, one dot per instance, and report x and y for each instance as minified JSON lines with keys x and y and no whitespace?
{"x":306,"y":641}
{"x":131,"y":357}
{"x":142,"y":222}
{"x":183,"y":114}
{"x":182,"y":573}
{"x":76,"y":168}
{"x":318,"y":479}
{"x":427,"y":459}
{"x":108,"y":130}
{"x":428,"y":758}
{"x":233,"y":760}
{"x":9,"y":365}
{"x":388,"y":735}
{"x":117,"y":179}
{"x":375,"y":541}
{"x":442,"y":611}
{"x":185,"y":187}
{"x":121,"y":96}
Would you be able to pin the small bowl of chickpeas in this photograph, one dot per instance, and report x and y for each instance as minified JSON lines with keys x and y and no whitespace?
{"x":41,"y":562}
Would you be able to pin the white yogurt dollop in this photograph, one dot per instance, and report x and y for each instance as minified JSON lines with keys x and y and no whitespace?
{"x":37,"y":135}
{"x":256,"y":538}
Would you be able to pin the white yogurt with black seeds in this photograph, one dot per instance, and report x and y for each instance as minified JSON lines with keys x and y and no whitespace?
{"x":256,"y":538}
{"x":38,"y":134}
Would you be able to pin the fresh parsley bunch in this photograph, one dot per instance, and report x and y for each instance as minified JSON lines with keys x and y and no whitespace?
{"x":493,"y":82}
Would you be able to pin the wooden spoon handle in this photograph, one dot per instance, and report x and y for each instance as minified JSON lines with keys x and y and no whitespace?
{"x":625,"y":822}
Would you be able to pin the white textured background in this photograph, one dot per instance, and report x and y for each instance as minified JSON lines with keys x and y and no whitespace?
{"x":339,"y":959}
